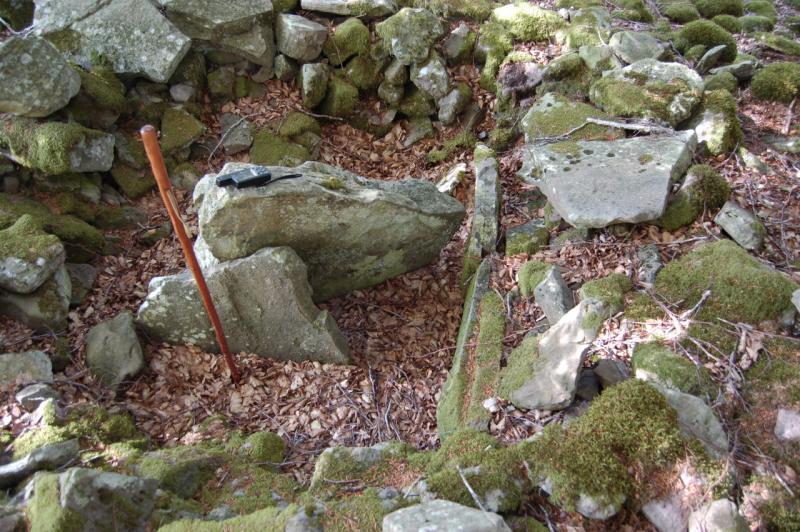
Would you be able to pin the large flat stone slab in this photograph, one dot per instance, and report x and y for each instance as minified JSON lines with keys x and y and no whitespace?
{"x":370,"y":8}
{"x":264,"y":303}
{"x":351,"y":232}
{"x":594,"y":184}
{"x":134,"y":37}
{"x":440,"y":516}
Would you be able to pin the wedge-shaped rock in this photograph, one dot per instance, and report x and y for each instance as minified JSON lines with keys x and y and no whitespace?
{"x":299,"y":37}
{"x":34,"y":78}
{"x":556,"y":367}
{"x":600,"y":183}
{"x":370,"y":8}
{"x":264,"y":303}
{"x":351,"y":232}
{"x":134,"y":37}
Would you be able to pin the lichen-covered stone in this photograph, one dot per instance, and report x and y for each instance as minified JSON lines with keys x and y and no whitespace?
{"x":743,"y":226}
{"x":703,"y":188}
{"x":443,"y":515}
{"x":528,"y":22}
{"x":717,"y":124}
{"x":553,"y":116}
{"x":264,"y":300}
{"x":35,"y":80}
{"x":28,"y":256}
{"x":56,"y":147}
{"x":237,"y":133}
{"x":341,"y":98}
{"x":649,"y":89}
{"x":609,"y":290}
{"x":271,"y":149}
{"x":368,"y":8}
{"x":528,"y":238}
{"x":410,"y":34}
{"x":299,"y":37}
{"x":214,"y":19}
{"x":363,"y":72}
{"x":431,"y":76}
{"x":632,"y":46}
{"x":655,"y":362}
{"x":356,"y":233}
{"x":135,"y":38}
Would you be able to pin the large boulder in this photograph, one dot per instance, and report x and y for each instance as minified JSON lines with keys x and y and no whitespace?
{"x":57,"y":147}
{"x":264,"y":303}
{"x":410,"y":33}
{"x":351,"y":232}
{"x":89,"y":499}
{"x":113,"y":352}
{"x":134,"y":37}
{"x":649,"y":89}
{"x":44,"y":309}
{"x":590,"y":184}
{"x":34,"y":79}
{"x":28,"y":256}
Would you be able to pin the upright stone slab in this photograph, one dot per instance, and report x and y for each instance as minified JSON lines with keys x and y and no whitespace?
{"x":351,"y":232}
{"x":452,"y":412}
{"x":133,"y":36}
{"x":485,"y":220}
{"x":742,"y":225}
{"x":601,"y":183}
{"x":34,"y":78}
{"x":264,"y":303}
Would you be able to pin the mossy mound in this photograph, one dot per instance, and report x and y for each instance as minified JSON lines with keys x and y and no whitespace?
{"x":478,"y":10}
{"x":465,"y":140}
{"x":742,"y":290}
{"x":754,"y":23}
{"x":703,"y":189}
{"x":761,"y":8}
{"x":553,"y":116}
{"x":609,"y":290}
{"x":707,"y":34}
{"x":263,"y":447}
{"x":717,"y":125}
{"x":273,"y":150}
{"x":634,"y":10}
{"x":341,"y":98}
{"x":653,"y":361}
{"x":181,"y":470}
{"x":103,"y":87}
{"x":728,"y":22}
{"x":611,"y":452}
{"x":266,"y":520}
{"x":779,"y":43}
{"x":681,"y":12}
{"x":25,"y":240}
{"x":530,"y":275}
{"x":712,"y":8}
{"x":494,"y":44}
{"x":133,"y":183}
{"x":350,"y":38}
{"x":722,"y":81}
{"x":568,"y":76}
{"x":494,"y":472}
{"x":364,"y":72}
{"x":527,"y":22}
{"x":777,"y":82}
{"x":297,"y":123}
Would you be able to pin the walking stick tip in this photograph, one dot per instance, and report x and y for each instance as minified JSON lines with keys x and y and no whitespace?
{"x":147,"y":129}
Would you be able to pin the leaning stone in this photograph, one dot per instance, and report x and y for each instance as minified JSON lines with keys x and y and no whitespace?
{"x":457,"y":47}
{"x":35,"y":80}
{"x":27,"y":366}
{"x":410,"y":34}
{"x":237,"y":133}
{"x":285,"y":68}
{"x":743,"y":70}
{"x":561,"y":351}
{"x":745,"y":228}
{"x":113,"y":352}
{"x":431,"y":76}
{"x":369,"y":8}
{"x":28,"y":256}
{"x":46,"y":458}
{"x":419,"y":128}
{"x":44,"y":309}
{"x":553,"y":295}
{"x":134,"y":37}
{"x":264,"y":303}
{"x":485,"y":220}
{"x":716,"y":123}
{"x":650,"y":264}
{"x":92,"y":498}
{"x":697,"y":420}
{"x":710,"y":59}
{"x":351,"y":232}
{"x":256,"y":45}
{"x":314,"y":83}
{"x":32,"y":396}
{"x":588,"y":183}
{"x":718,"y":516}
{"x":610,"y":372}
{"x":299,"y":38}
{"x":56,"y":147}
{"x":787,"y":425}
{"x":443,"y":515}
{"x":632,"y":46}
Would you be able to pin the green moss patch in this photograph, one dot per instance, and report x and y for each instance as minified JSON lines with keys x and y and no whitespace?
{"x":635,"y":10}
{"x":530,"y":275}
{"x":681,"y":12}
{"x":778,"y":82}
{"x":609,"y":290}
{"x":704,"y":189}
{"x":350,"y":38}
{"x":779,"y":43}
{"x":708,"y":34}
{"x":630,"y":427}
{"x":729,"y":22}
{"x":179,"y":129}
{"x":341,"y":98}
{"x":273,"y":150}
{"x":519,"y":367}
{"x":712,"y":8}
{"x":653,"y":361}
{"x":297,"y":123}
{"x":722,"y":81}
{"x":27,"y":241}
{"x":133,"y":183}
{"x":528,"y":22}
{"x":44,"y":510}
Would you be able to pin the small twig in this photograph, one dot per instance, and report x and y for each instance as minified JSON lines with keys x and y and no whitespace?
{"x":315,"y":115}
{"x":470,"y":490}
{"x":226,"y":133}
{"x":692,"y":311}
{"x":645,"y":126}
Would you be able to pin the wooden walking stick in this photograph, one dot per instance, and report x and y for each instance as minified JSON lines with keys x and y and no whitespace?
{"x":150,"y":139}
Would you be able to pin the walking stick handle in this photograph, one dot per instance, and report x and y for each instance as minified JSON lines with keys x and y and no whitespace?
{"x":153,"y":150}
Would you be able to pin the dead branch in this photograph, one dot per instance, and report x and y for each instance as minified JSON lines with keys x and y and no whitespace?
{"x":470,"y":490}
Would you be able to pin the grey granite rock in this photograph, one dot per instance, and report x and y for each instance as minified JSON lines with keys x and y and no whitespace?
{"x":744,"y":227}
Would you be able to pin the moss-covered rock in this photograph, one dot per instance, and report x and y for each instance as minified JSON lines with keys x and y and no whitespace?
{"x":635,"y":10}
{"x":554,"y":115}
{"x":363,"y":72}
{"x":754,"y":24}
{"x":341,"y":98}
{"x":133,"y":183}
{"x":717,"y":124}
{"x":610,"y":453}
{"x":263,"y":447}
{"x":266,"y":520}
{"x":722,"y":81}
{"x":273,"y":150}
{"x":181,"y":470}
{"x":528,"y":22}
{"x":350,"y":38}
{"x":712,"y":8}
{"x":681,"y":12}
{"x":527,"y":238}
{"x":568,"y":75}
{"x":779,"y":43}
{"x":707,"y":34}
{"x":656,"y":362}
{"x":494,"y":44}
{"x":530,"y":275}
{"x":609,"y":290}
{"x":191,"y":70}
{"x":45,"y":511}
{"x":778,"y":82}
{"x":761,"y":8}
{"x":338,"y":465}
{"x":179,"y":129}
{"x":702,"y":189}
{"x":297,"y":123}
{"x":729,"y":22}
{"x":28,"y":255}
